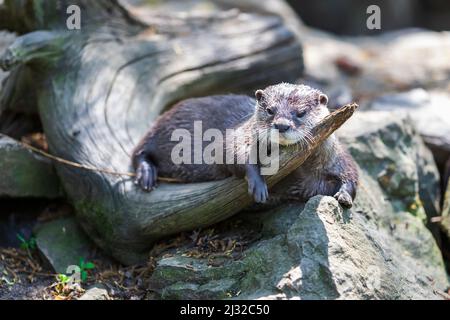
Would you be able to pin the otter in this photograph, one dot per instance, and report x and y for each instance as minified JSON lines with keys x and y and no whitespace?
{"x":290,"y":110}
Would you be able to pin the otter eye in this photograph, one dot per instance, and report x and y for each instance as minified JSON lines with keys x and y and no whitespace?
{"x":269,"y":111}
{"x":301,"y":114}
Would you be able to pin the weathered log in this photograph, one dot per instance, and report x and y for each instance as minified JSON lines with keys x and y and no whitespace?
{"x":24,"y":16}
{"x":274,"y":7}
{"x":279,"y":8}
{"x":18,"y":92}
{"x":109,"y":84}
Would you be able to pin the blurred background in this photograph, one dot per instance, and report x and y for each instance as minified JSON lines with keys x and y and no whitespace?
{"x":343,"y":17}
{"x":348,"y":17}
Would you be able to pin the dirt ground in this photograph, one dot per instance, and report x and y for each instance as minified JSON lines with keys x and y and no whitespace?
{"x":24,"y":274}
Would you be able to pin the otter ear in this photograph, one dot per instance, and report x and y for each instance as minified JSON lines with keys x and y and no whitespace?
{"x":323,"y":99}
{"x":259,"y":94}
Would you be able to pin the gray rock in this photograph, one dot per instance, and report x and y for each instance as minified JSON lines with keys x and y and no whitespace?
{"x":96,"y":292}
{"x":325,"y":254}
{"x":387,"y":146}
{"x":62,"y":243}
{"x":430,"y":111}
{"x":24,"y":173}
{"x":339,"y":95}
{"x":390,"y":62}
{"x":380,"y":249}
{"x":445,"y":223}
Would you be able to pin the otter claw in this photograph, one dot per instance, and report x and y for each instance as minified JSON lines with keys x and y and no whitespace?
{"x":259,"y":191}
{"x":146,"y":176}
{"x":344,"y":199}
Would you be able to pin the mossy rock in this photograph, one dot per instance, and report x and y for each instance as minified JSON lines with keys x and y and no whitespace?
{"x":25,"y":174}
{"x":62,"y":243}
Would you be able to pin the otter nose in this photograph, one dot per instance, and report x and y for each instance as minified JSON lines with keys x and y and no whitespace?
{"x":282,"y":127}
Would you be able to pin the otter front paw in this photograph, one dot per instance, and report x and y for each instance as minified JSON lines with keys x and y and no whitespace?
{"x":344,"y":198}
{"x":258,"y":188}
{"x":146,"y":176}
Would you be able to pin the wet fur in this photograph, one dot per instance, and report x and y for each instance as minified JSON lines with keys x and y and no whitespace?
{"x":330,"y":170}
{"x":220,"y":112}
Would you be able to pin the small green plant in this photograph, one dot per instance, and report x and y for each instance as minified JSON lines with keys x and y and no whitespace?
{"x":65,"y":288}
{"x":6,"y":280}
{"x":63,"y":278}
{"x":25,"y":244}
{"x":84,"y":267}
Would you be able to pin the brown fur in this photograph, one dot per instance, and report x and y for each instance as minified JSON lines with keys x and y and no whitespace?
{"x":330,"y":170}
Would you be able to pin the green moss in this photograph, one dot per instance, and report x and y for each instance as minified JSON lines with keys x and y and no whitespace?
{"x":106,"y":223}
{"x":62,"y":243}
{"x":25,"y":175}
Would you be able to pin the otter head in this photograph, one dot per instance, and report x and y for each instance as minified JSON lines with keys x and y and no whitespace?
{"x":290,"y":109}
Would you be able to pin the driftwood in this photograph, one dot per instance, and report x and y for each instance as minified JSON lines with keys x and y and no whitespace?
{"x":101,"y":87}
